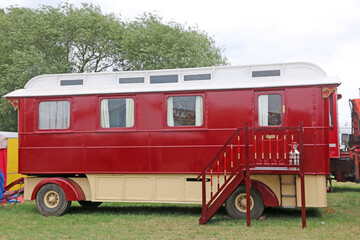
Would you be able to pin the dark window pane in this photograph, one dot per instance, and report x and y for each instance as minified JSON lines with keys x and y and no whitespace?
{"x":71,"y":82}
{"x":274,"y":110}
{"x":164,"y":79}
{"x":269,"y":110}
{"x":117,"y":112}
{"x":266,"y":73}
{"x":131,"y":80}
{"x":184,"y":111}
{"x":197,"y":77}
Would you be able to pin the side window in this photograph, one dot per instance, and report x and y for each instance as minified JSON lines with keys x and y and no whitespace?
{"x":117,"y":112}
{"x":269,"y":110}
{"x":185,"y":111}
{"x":54,"y":115}
{"x":331,"y":110}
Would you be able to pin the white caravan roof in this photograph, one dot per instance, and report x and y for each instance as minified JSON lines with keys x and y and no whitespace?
{"x":207,"y":78}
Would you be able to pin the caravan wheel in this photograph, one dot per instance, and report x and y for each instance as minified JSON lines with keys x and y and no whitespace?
{"x":51,"y":200}
{"x":236,"y":204}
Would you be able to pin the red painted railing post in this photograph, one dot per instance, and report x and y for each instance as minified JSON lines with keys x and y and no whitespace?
{"x":203,"y":217}
{"x":302,"y":176}
{"x":232,"y":158}
{"x":248,"y":220}
{"x":211,"y":182}
{"x":262,"y":147}
{"x":292,"y":149}
{"x":225,"y":165}
{"x":255,"y":147}
{"x":285,"y":147}
{"x":277,"y":148}
{"x":218,"y":173}
{"x":270,"y":150}
{"x":238,"y":148}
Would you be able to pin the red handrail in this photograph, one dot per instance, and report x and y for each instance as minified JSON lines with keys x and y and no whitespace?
{"x":218,"y":165}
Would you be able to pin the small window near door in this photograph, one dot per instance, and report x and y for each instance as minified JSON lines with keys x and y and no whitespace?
{"x":269,"y":110}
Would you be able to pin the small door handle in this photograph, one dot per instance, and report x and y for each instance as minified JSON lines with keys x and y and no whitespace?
{"x":283,"y":109}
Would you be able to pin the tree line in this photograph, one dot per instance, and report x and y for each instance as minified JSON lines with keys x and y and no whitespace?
{"x":66,"y":39}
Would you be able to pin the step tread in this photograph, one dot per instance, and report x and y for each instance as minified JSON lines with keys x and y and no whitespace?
{"x":288,"y":195}
{"x":288,"y":183}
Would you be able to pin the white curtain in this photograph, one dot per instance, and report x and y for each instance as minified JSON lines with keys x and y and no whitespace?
{"x":198,"y":111}
{"x":54,"y":115}
{"x":170,"y":112}
{"x":62,"y":115}
{"x":105,"y":119}
{"x":263,"y":111}
{"x":47,"y":113}
{"x":129,"y":112}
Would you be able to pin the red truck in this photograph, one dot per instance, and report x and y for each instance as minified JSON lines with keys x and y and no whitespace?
{"x":344,"y":166}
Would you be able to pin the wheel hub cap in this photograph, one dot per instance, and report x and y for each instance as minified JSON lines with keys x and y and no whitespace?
{"x":240,"y":202}
{"x":51,"y":199}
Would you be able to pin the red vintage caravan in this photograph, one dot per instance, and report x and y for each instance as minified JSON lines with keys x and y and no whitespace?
{"x":146,"y":136}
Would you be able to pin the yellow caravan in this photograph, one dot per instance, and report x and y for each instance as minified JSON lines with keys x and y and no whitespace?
{"x":11,"y":159}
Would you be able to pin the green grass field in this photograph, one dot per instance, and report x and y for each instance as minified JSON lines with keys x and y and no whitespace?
{"x":341,"y":220}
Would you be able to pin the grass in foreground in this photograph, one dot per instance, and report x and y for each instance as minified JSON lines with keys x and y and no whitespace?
{"x":341,"y":220}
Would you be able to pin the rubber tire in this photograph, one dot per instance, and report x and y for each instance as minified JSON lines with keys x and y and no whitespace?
{"x":89,"y":204}
{"x":61,"y":208}
{"x":255,"y":212}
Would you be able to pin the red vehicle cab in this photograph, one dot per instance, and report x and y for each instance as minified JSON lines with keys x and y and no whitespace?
{"x":146,"y":136}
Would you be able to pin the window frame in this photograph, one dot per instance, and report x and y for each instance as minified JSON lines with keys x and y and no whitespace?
{"x":56,"y":130}
{"x":256,"y":108}
{"x":165,"y":121}
{"x":99,"y":128}
{"x":332,"y":101}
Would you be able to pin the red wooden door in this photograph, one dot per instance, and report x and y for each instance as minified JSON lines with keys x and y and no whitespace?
{"x":270,"y":109}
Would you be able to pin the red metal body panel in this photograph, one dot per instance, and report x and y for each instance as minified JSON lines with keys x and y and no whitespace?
{"x":356,"y":120}
{"x":150,"y":146}
{"x":334,"y":130}
{"x":72,"y":190}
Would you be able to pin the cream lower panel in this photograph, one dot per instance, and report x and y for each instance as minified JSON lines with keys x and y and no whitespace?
{"x":177,"y":189}
{"x":315,"y":189}
{"x":31,"y":182}
{"x":164,"y":188}
{"x":29,"y":185}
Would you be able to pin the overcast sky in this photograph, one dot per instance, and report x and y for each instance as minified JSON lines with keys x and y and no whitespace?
{"x":324,"y":32}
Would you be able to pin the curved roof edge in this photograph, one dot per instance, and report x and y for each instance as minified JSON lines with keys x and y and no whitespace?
{"x":222,"y":77}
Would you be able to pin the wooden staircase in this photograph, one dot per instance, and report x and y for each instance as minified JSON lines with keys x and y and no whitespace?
{"x":245,"y":153}
{"x":218,"y":168}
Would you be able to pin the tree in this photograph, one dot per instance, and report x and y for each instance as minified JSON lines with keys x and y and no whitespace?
{"x":25,"y":53}
{"x":53,"y":40}
{"x":68,"y":39}
{"x":92,"y":40}
{"x":148,"y":43}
